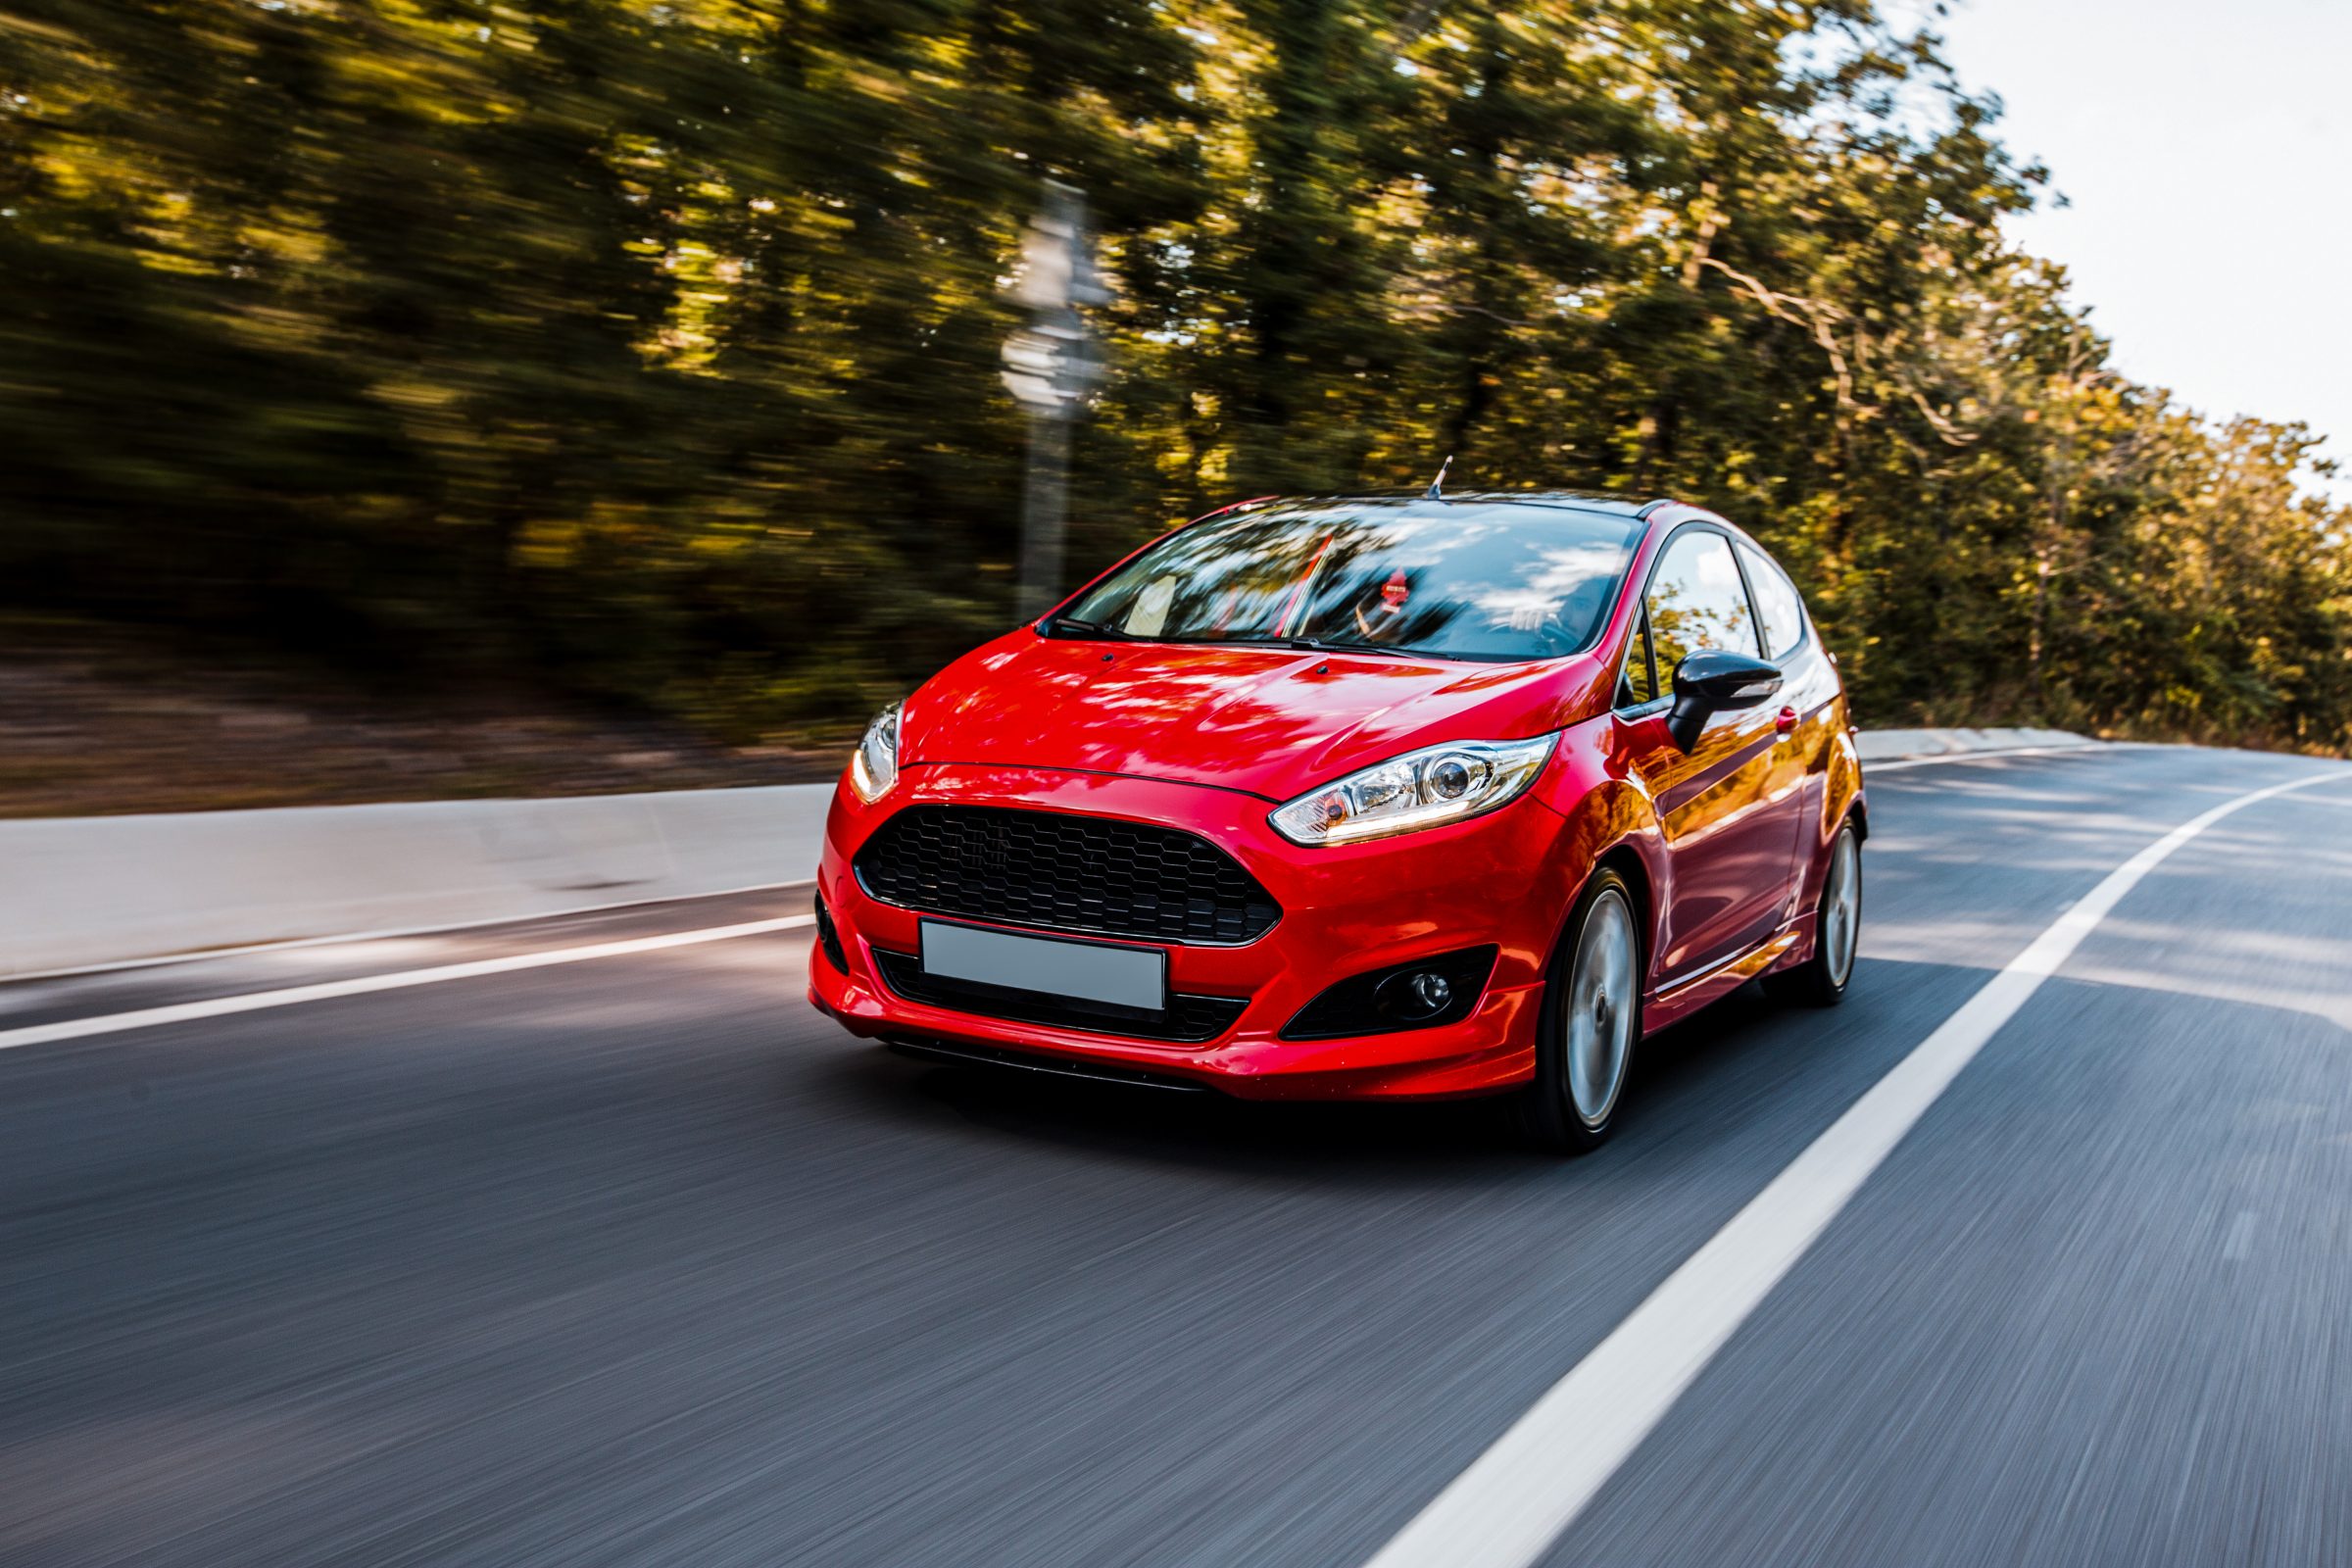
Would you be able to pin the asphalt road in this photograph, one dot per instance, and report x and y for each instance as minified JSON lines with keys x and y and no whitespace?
{"x":639,"y":1261}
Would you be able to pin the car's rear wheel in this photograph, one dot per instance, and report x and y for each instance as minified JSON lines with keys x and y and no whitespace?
{"x":1821,"y":980}
{"x":1591,"y":1018}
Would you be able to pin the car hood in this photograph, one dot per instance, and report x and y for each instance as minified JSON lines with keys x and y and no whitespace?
{"x":1274,"y":721}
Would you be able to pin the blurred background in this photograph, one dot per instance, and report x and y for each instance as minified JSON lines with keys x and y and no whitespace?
{"x":432,"y":396}
{"x":489,"y":403}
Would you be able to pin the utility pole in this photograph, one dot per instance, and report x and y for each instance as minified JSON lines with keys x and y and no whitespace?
{"x":1052,"y":365}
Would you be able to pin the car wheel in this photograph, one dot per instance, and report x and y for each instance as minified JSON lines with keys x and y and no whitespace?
{"x":1821,"y":980}
{"x":1592,"y":1019}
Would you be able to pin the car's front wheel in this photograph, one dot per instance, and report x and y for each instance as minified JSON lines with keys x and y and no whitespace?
{"x":1591,"y":1018}
{"x":1821,"y":980}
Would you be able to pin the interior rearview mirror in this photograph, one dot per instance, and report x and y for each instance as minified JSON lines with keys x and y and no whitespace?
{"x":1712,"y":681}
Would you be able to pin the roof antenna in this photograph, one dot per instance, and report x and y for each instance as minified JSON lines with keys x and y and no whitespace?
{"x":1437,"y":486}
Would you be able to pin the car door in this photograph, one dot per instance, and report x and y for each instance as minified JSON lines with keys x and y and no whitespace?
{"x":1728,"y":805}
{"x":1807,"y":698}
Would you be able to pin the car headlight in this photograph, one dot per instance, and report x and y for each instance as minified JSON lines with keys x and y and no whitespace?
{"x":874,"y":766}
{"x":1420,"y":789}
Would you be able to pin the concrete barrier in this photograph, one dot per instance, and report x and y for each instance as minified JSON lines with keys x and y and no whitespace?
{"x":1890,"y":744}
{"x":76,"y":892}
{"x":83,"y":891}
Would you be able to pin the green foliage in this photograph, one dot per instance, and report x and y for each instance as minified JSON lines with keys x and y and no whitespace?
{"x":648,"y":347}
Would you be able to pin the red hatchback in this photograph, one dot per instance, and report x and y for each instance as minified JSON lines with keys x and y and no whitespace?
{"x":1361,"y":799}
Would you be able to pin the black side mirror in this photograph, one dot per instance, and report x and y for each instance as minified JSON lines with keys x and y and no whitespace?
{"x":1712,"y":681}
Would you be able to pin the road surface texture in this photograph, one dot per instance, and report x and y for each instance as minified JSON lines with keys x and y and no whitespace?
{"x":636,"y":1260}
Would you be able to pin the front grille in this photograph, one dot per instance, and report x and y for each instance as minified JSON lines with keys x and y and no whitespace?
{"x":1061,"y":872}
{"x":1188,"y":1021}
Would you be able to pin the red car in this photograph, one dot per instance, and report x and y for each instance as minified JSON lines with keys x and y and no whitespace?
{"x":1367,"y":797}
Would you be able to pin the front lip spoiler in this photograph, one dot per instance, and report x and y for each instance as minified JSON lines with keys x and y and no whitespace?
{"x":959,"y":1054}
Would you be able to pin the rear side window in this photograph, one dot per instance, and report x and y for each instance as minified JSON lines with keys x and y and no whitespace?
{"x":1697,"y":601}
{"x":1779,"y":610}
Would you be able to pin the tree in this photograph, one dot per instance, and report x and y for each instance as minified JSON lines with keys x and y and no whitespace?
{"x":648,"y":349}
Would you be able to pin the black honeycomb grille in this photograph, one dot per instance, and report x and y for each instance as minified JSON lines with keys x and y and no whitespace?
{"x":1061,"y":872}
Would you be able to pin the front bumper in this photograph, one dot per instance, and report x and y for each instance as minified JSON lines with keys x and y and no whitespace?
{"x":1503,"y":879}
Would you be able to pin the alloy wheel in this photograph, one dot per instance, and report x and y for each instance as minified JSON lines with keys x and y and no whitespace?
{"x":1841,"y":908}
{"x":1599,"y":1023}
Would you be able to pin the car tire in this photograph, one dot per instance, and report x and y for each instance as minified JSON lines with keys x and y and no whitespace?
{"x":1591,"y":1024}
{"x":1821,"y":980}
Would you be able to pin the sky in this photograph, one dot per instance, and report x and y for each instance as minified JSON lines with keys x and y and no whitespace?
{"x":2206,"y":148}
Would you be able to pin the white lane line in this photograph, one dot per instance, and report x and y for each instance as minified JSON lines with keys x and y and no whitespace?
{"x":41,"y":1034}
{"x":288,"y":944}
{"x":1517,"y":1498}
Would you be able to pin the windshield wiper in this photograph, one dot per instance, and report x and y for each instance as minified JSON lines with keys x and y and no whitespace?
{"x":1314,"y":645}
{"x":1327,"y":644}
{"x":1091,"y":628}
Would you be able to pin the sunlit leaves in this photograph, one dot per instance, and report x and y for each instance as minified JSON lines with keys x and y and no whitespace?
{"x":650,"y":347}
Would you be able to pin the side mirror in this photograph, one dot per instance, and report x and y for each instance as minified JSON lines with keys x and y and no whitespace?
{"x":1712,"y":681}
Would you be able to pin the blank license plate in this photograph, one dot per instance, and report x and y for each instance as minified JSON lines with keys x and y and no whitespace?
{"x":1130,"y":977}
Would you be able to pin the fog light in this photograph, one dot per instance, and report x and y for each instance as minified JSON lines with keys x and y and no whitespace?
{"x":1422,"y":994}
{"x":1413,"y":995}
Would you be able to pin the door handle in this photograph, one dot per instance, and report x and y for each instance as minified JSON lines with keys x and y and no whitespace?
{"x":1787,"y":720}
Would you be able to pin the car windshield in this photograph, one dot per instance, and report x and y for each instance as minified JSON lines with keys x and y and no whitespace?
{"x":1447,"y":579}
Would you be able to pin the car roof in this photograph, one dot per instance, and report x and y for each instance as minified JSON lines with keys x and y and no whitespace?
{"x":1623,"y":506}
{"x":1603,"y":501}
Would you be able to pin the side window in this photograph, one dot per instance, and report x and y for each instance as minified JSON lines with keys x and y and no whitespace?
{"x":1778,"y":608}
{"x":1639,"y":682}
{"x":1697,"y":601}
